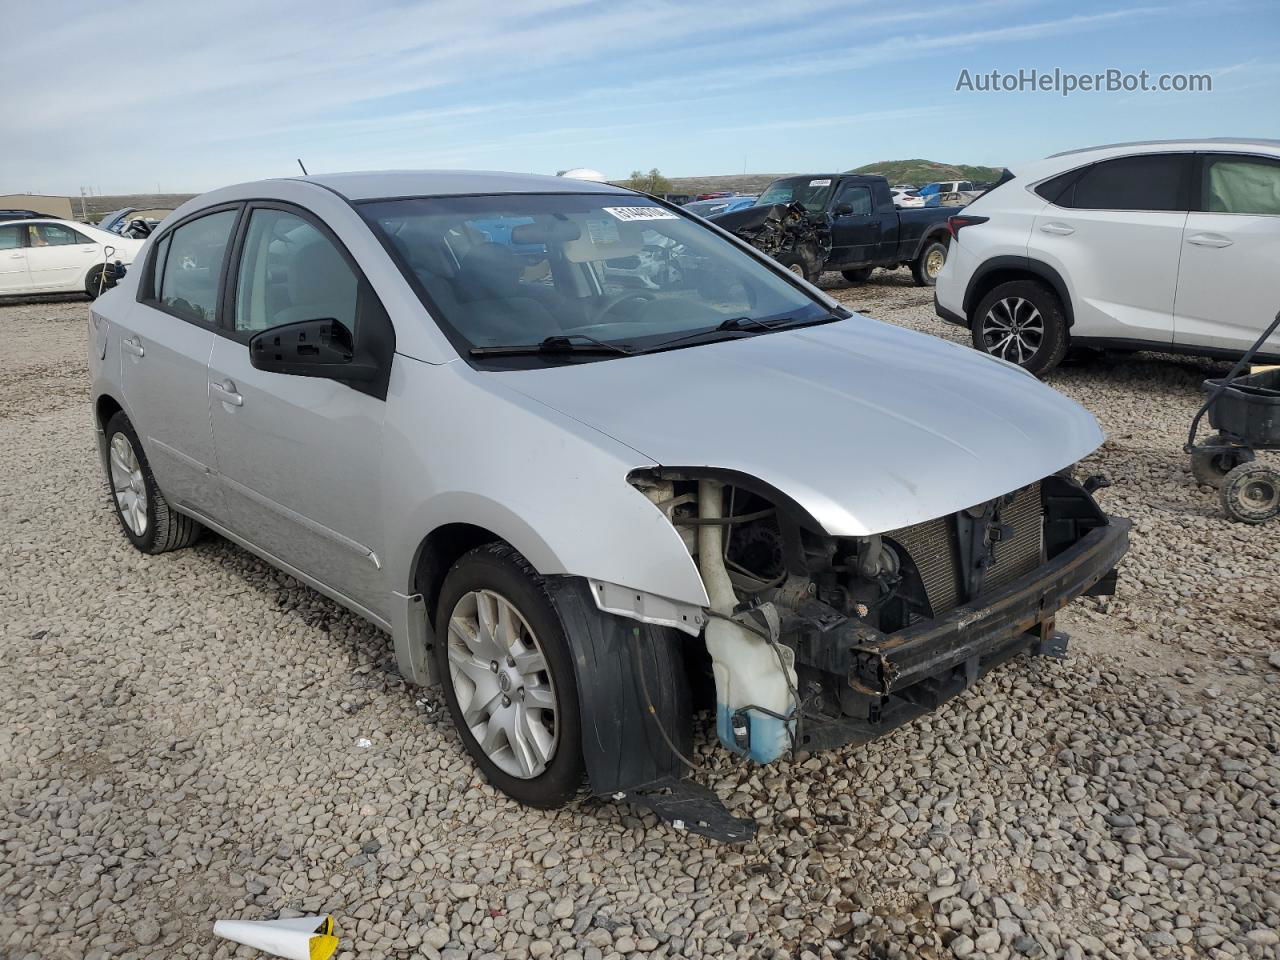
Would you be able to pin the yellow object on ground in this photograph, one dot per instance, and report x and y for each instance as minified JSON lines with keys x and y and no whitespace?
{"x":292,"y":938}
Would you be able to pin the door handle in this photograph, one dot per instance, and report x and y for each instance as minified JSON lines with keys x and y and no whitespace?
{"x":16,"y":256}
{"x":1208,"y":240}
{"x":226,"y":392}
{"x":133,"y":345}
{"x":1058,"y":229}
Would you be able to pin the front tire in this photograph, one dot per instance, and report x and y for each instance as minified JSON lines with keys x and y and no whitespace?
{"x":797,"y":264}
{"x":1022,"y":321}
{"x":927,"y":266}
{"x":508,"y":677}
{"x":1251,"y":493}
{"x":144,"y":514}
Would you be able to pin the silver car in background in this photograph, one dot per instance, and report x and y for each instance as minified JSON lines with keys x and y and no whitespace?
{"x":586,"y":501}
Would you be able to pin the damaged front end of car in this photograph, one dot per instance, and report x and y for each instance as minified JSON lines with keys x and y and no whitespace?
{"x":816,"y":641}
{"x":784,"y":231}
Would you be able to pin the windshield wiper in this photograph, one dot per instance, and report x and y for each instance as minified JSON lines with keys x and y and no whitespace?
{"x":743,"y":325}
{"x":562,"y":343}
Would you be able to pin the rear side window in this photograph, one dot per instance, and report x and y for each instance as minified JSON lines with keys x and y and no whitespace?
{"x":10,"y":237}
{"x":186,"y":281}
{"x":1151,"y":182}
{"x":1242,"y":185}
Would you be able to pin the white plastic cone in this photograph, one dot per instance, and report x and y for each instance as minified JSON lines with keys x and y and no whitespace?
{"x":295,"y":938}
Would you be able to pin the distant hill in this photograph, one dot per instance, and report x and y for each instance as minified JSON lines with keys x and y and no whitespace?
{"x":919,"y":172}
{"x":737,"y":183}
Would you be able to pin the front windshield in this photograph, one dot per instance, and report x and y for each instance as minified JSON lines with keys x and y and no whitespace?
{"x":518,"y":269}
{"x":813,"y":192}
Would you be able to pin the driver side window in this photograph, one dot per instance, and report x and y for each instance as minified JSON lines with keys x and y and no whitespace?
{"x":859,"y":198}
{"x":290,"y":271}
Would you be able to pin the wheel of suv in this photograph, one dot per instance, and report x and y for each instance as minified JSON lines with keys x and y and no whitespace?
{"x":927,"y":266}
{"x":861,"y":275}
{"x":144,"y":514}
{"x":1251,"y":492}
{"x":508,"y":676}
{"x":1022,"y":321}
{"x":1210,"y":467}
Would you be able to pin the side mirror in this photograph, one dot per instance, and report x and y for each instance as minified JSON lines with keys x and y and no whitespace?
{"x":310,"y":348}
{"x":843,"y":209}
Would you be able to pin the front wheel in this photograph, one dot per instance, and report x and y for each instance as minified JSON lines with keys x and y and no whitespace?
{"x":508,"y":677}
{"x":797,"y":264}
{"x":927,"y":266}
{"x":144,"y":514}
{"x":1251,"y":493}
{"x":1022,"y":321}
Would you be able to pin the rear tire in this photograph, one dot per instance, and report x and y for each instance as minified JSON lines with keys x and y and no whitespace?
{"x":1251,"y":493}
{"x":1021,"y":321}
{"x":540,"y":763}
{"x":1211,"y":467}
{"x":926,"y":267}
{"x":861,"y":275}
{"x":144,"y":514}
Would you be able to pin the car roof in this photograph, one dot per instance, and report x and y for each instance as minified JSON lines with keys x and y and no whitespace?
{"x":1057,"y":163}
{"x":386,"y":184}
{"x":1190,"y":144}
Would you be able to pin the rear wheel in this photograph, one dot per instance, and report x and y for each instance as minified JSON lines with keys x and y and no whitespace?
{"x":1251,"y":493}
{"x":508,"y":676}
{"x":1022,"y":321}
{"x":1211,"y":466}
{"x":927,"y":266}
{"x":144,"y":514}
{"x":861,"y":275}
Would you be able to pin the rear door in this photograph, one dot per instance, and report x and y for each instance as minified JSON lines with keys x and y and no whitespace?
{"x":855,"y":232}
{"x":1229,"y":278}
{"x":299,"y":457}
{"x":165,"y":341}
{"x":1114,"y":232}
{"x":13,"y":259}
{"x":59,"y":256}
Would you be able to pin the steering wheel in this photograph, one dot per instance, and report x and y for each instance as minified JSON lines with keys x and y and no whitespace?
{"x":616,"y":300}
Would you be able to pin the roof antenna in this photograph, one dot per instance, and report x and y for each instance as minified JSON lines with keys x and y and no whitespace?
{"x":304,"y":169}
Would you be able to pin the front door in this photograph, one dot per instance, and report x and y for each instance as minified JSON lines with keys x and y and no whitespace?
{"x":165,"y":340}
{"x":1228,"y":285}
{"x":59,"y":256}
{"x":855,"y":226}
{"x":299,"y":457}
{"x":13,"y":259}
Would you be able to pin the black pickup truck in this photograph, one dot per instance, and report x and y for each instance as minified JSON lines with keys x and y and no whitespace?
{"x":845,"y":222}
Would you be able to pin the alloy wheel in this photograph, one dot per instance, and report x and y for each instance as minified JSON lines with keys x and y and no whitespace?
{"x":1013,"y":330}
{"x":934,"y":263}
{"x":502,"y":684}
{"x":128,"y":485}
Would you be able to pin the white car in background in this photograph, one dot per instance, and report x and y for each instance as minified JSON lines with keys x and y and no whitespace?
{"x":906,"y":198}
{"x":58,"y":256}
{"x":1166,"y":245}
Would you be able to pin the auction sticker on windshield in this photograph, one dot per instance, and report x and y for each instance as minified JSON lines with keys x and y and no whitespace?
{"x":640,"y":213}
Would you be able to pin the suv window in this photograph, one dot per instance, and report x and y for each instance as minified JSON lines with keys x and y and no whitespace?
{"x":857,"y":197}
{"x":1148,"y":182}
{"x":290,"y":271}
{"x":189,"y":266}
{"x":10,"y":237}
{"x":54,"y":235}
{"x":1242,"y":185}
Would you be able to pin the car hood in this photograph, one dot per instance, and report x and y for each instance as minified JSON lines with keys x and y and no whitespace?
{"x":867,"y":426}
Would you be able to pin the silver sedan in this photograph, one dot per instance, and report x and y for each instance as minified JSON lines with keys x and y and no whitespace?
{"x":585,"y":499}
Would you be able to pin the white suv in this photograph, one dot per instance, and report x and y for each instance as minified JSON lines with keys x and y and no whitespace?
{"x":1169,"y":245}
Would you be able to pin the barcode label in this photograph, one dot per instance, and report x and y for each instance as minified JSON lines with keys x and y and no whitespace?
{"x":628,"y":214}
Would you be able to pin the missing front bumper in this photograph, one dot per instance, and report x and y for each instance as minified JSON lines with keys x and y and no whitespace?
{"x":893,"y":678}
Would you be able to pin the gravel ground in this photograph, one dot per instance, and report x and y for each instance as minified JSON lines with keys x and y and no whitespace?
{"x":197,"y":736}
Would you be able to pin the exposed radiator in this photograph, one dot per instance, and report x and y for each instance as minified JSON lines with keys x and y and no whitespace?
{"x":931,"y":545}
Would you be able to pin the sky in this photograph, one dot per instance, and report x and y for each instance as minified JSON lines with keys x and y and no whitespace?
{"x":142,"y":95}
